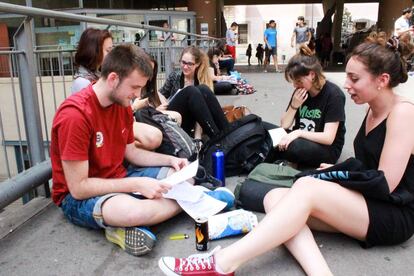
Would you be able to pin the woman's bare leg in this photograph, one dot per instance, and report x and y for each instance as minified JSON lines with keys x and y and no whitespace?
{"x":146,"y":136}
{"x":341,"y":208}
{"x":274,"y":196}
{"x":305,"y":250}
{"x":302,"y":246}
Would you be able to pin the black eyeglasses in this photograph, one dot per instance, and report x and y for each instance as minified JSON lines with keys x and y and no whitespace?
{"x":186,"y":63}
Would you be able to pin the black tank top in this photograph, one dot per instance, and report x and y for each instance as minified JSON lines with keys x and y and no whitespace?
{"x":368,"y":150}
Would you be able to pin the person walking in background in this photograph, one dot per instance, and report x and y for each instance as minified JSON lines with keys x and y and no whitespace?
{"x":231,"y":38}
{"x":266,"y":53}
{"x":259,"y":54}
{"x":270,"y":39}
{"x":301,"y":34}
{"x":402,"y":24}
{"x":249,"y":53}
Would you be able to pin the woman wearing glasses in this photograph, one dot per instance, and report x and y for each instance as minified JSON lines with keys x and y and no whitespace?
{"x":189,"y":92}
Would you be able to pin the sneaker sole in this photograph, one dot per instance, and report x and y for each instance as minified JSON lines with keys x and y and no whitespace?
{"x":164,"y":268}
{"x":135,"y":241}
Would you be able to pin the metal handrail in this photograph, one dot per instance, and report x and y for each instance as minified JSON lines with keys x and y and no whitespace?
{"x":30,"y":11}
{"x":14,"y":188}
{"x":40,"y":173}
{"x":11,"y":52}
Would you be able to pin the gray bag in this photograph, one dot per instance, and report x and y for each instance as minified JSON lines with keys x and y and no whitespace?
{"x":175,"y":141}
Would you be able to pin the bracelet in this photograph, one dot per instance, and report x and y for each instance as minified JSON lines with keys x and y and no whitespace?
{"x":294,"y":108}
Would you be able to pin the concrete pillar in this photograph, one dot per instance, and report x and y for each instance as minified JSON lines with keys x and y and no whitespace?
{"x":206,"y":12}
{"x":327,"y":4}
{"x":389,"y":11}
{"x":337,"y":24}
{"x":219,"y":26}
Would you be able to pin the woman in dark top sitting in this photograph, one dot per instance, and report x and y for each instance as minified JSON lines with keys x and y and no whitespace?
{"x":385,"y":142}
{"x":315,"y":113}
{"x":222,"y":85}
{"x":189,"y":92}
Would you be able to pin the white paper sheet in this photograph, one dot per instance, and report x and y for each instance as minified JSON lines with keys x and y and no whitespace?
{"x":184,"y":191}
{"x":191,"y":198}
{"x":206,"y":206}
{"x":277,"y":134}
{"x":182,"y":175}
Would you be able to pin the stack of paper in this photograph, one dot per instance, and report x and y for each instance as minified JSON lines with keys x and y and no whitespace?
{"x":192,"y":199}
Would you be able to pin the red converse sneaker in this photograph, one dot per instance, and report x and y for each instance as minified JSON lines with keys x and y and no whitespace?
{"x":198,"y":264}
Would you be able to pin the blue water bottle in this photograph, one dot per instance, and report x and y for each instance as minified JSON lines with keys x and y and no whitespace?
{"x":218,"y":166}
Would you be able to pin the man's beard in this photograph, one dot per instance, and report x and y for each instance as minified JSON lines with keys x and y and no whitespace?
{"x":116,"y":99}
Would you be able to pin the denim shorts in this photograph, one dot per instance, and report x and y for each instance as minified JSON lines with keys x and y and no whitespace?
{"x":88,"y":212}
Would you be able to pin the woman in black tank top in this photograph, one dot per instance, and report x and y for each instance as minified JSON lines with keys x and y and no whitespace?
{"x":384,"y":138}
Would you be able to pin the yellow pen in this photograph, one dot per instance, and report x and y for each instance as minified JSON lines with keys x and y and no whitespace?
{"x":179,"y":237}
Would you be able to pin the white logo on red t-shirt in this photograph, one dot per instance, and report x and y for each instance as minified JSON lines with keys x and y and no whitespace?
{"x":99,"y":139}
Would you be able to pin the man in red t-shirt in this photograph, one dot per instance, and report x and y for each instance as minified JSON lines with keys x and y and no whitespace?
{"x":92,"y":134}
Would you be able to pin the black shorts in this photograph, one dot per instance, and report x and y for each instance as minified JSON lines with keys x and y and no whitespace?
{"x":273,"y":51}
{"x":389,"y":224}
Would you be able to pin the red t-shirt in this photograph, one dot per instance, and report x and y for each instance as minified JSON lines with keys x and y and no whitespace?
{"x":84,"y":130}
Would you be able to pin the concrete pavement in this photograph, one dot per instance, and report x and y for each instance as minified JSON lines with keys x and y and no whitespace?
{"x":49,"y":245}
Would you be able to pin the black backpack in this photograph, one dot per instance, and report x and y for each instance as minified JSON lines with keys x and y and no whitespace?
{"x":245,"y":144}
{"x":175,"y":141}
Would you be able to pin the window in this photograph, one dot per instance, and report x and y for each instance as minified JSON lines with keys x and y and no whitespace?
{"x":243,"y":34}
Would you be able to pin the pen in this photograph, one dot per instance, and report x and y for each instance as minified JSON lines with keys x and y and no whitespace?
{"x":179,"y":237}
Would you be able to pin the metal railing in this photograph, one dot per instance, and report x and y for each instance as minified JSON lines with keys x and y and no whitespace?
{"x":34,"y":80}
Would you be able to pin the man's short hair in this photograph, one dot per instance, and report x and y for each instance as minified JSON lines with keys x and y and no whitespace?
{"x":125,"y":58}
{"x":234,"y":24}
{"x":271,"y":21}
{"x":406,"y":10}
{"x":301,"y":18}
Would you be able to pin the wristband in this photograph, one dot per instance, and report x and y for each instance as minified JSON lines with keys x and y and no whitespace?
{"x":294,"y":108}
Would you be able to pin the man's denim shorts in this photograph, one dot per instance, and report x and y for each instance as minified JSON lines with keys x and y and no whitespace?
{"x":88,"y":212}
